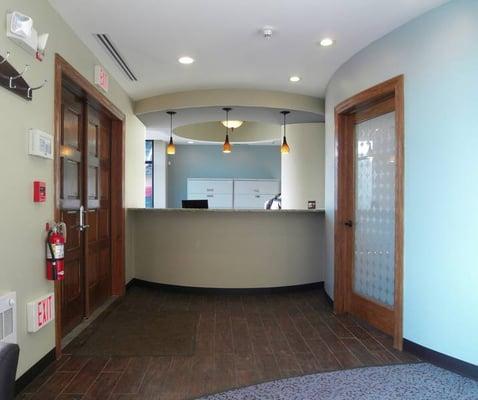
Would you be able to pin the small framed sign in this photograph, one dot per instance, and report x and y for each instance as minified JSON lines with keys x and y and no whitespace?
{"x":311,"y":205}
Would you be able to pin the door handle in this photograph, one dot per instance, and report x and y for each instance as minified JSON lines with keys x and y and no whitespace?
{"x":82,"y":225}
{"x":349,"y":223}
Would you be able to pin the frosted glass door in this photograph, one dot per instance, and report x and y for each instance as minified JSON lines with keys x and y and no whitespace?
{"x":374,"y":249}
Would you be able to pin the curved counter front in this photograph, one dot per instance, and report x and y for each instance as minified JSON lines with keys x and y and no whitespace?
{"x":227,"y":249}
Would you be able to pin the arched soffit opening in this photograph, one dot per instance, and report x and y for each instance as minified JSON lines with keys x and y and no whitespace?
{"x":230,"y":97}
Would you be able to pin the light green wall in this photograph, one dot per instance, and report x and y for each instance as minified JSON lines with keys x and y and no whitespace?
{"x":208,"y":161}
{"x":438,"y":55}
{"x":22,"y":222}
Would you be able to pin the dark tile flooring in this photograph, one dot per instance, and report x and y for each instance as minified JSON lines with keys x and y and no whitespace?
{"x":240,"y":340}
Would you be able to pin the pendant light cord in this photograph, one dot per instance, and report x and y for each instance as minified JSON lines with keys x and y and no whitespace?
{"x":284,"y":123}
{"x":227,"y":122}
{"x":171,"y":126}
{"x":284,"y":114}
{"x":171,"y":113}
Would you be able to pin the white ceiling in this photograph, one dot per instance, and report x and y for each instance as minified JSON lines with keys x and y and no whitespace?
{"x":224,"y":38}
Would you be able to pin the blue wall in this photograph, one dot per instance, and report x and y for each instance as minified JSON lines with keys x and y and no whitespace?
{"x":438,"y":54}
{"x":208,"y":161}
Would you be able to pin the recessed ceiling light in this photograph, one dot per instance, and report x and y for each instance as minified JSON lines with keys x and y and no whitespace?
{"x":326,"y":42}
{"x":294,"y":78}
{"x":186,"y":60}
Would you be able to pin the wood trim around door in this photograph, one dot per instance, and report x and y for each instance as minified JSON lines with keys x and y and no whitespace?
{"x":345,"y":118}
{"x":65,"y":71}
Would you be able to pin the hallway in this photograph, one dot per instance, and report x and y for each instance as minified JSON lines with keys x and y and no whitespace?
{"x":240,"y":340}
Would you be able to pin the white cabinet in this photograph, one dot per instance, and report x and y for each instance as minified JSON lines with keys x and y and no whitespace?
{"x":218,"y":192}
{"x":233,"y":193}
{"x":219,"y":186}
{"x":253,"y":193}
{"x":251,"y":201}
{"x":257,"y":186}
{"x":213,"y":200}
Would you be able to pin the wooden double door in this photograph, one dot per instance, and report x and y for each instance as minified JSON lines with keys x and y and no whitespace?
{"x":85,"y":206}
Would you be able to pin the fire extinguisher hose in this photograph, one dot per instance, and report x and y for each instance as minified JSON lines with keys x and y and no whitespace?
{"x":53,"y":259}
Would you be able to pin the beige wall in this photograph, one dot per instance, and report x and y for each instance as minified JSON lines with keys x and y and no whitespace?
{"x":303,"y":168}
{"x":228,"y":249}
{"x":22,"y":228}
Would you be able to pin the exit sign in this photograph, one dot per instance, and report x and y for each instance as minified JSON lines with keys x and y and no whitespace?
{"x":102,"y":78}
{"x":41,"y":312}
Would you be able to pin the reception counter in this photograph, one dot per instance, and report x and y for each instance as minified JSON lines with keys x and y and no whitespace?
{"x":227,"y":248}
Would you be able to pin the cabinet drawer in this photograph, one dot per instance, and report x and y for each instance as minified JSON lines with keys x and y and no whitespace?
{"x":214,"y":200}
{"x":209,"y":186}
{"x":251,"y":201}
{"x":256,"y":187}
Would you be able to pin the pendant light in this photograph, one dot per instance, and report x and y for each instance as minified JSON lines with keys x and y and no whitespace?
{"x":171,"y":149}
{"x":284,"y":149}
{"x":226,"y":147}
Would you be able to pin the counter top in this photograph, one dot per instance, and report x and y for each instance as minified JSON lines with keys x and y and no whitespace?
{"x":217,"y":210}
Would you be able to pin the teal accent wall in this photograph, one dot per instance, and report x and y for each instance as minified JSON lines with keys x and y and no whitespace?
{"x":208,"y":161}
{"x":438,"y":55}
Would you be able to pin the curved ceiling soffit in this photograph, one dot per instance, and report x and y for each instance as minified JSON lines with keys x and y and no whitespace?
{"x":230,"y":97}
{"x":249,"y":132}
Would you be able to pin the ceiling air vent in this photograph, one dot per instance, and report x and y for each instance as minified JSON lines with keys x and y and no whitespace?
{"x":113,"y":52}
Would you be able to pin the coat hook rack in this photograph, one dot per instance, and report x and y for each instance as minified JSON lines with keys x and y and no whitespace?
{"x":5,"y":58}
{"x":32,"y":89}
{"x":15,"y":77}
{"x":14,"y":81}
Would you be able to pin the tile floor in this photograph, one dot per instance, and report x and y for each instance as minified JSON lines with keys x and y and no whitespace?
{"x":240,"y":340}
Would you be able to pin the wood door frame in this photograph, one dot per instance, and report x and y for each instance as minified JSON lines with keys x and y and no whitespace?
{"x":344,"y":128}
{"x":64,"y":70}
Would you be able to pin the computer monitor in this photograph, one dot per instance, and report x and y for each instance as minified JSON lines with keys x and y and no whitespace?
{"x":195,"y":204}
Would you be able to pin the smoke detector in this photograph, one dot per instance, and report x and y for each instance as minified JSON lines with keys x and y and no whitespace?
{"x":267,"y":31}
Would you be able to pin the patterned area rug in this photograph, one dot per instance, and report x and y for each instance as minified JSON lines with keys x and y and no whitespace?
{"x":401,"y":382}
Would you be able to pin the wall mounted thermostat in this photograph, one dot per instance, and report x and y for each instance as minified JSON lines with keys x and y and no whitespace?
{"x":40,"y":144}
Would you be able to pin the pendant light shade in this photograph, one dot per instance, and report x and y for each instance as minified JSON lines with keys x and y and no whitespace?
{"x":227,"y":147}
{"x":171,"y":149}
{"x":284,"y":149}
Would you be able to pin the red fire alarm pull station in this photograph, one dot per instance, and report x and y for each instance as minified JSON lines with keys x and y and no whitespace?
{"x":39,"y":192}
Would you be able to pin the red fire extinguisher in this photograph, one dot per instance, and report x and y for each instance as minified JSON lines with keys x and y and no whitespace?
{"x":55,"y":252}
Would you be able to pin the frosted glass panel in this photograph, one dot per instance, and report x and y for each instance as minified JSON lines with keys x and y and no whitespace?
{"x":375,"y":209}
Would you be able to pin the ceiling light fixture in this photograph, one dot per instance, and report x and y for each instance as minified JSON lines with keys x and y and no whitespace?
{"x":326,"y":42}
{"x":284,"y":149}
{"x":171,"y":149}
{"x":190,"y":142}
{"x":226,"y":147}
{"x":186,"y":60}
{"x":294,"y":78}
{"x":232,"y":124}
